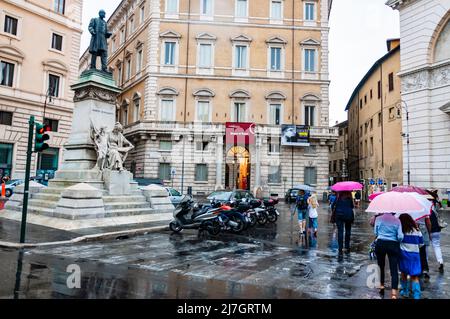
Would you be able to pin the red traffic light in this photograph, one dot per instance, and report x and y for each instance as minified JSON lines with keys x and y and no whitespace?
{"x":45,"y":128}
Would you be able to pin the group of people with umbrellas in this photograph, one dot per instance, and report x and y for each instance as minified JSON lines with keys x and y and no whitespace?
{"x":405,"y":221}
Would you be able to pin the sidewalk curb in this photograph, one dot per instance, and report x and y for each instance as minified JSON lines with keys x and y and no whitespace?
{"x":87,"y":238}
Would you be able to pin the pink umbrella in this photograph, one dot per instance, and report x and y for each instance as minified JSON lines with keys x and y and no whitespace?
{"x":409,"y":189}
{"x":372,"y":196}
{"x":346,"y":186}
{"x":401,"y":203}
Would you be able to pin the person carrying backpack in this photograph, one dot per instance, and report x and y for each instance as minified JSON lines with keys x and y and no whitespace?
{"x":301,"y":204}
{"x":342,"y":215}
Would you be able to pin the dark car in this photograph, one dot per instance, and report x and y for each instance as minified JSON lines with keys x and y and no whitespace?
{"x":291,"y":195}
{"x":230,"y":196}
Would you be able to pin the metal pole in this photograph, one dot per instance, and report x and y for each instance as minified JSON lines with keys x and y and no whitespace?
{"x":407,"y":142}
{"x":27,"y":180}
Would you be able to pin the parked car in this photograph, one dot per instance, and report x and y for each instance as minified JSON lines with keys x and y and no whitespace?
{"x":148,"y":181}
{"x":227,"y":196}
{"x":175,"y":196}
{"x":291,"y":195}
{"x":10,"y":185}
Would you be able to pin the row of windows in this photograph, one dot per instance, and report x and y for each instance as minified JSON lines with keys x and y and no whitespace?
{"x":11,"y":27}
{"x":8,"y":73}
{"x":333,"y":166}
{"x":379,"y":88}
{"x":205,"y":60}
{"x":366,"y":149}
{"x":207,"y":12}
{"x":201,"y":173}
{"x":242,"y":9}
{"x":239,"y":113}
{"x":274,"y":146}
{"x":241,"y":57}
{"x":6,"y":118}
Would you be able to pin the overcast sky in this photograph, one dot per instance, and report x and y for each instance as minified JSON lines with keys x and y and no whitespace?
{"x":358,"y":33}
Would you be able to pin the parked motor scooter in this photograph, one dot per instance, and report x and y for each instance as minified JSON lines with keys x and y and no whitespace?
{"x":230,"y":218}
{"x":272,"y":211}
{"x":185,"y":217}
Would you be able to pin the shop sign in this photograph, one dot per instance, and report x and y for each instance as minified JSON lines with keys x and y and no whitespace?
{"x":240,"y":133}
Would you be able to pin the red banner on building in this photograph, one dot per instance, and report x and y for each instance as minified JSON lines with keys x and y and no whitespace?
{"x":240,"y":133}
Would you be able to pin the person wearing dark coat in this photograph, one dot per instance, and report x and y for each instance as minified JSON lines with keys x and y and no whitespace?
{"x":99,"y":47}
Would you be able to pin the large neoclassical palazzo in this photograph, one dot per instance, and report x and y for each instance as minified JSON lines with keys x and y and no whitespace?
{"x":425,"y":74}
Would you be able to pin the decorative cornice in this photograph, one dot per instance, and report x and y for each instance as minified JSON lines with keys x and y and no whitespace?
{"x":241,"y":38}
{"x":94,"y":93}
{"x":239,"y":94}
{"x":396,"y":4}
{"x":446,"y":108}
{"x":276,"y":40}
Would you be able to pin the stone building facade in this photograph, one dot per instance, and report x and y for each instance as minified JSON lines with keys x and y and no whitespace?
{"x":374,"y":123}
{"x":425,"y":79}
{"x":188,"y":67}
{"x":339,"y":155}
{"x":39,"y":50}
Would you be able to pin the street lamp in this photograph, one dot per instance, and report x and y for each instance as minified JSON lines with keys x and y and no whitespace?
{"x":405,"y":106}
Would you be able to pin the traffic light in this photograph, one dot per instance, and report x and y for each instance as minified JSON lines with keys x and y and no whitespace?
{"x":41,"y":137}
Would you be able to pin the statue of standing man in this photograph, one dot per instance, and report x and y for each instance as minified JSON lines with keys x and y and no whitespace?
{"x":99,"y":47}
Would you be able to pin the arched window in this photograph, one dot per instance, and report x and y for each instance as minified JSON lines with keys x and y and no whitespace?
{"x":441,"y":51}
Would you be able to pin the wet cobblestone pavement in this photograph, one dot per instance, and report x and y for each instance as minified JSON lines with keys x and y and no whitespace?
{"x":266,"y":262}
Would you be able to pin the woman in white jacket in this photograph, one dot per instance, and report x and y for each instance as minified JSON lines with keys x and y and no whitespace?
{"x":313,"y":204}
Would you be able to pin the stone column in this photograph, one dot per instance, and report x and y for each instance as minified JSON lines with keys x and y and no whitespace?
{"x":219,"y":163}
{"x":258,"y":162}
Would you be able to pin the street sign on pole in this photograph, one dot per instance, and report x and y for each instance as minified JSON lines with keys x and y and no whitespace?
{"x":173,"y":172}
{"x":27,"y":180}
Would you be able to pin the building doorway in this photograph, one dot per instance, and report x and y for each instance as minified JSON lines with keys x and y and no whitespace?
{"x":238,"y":168}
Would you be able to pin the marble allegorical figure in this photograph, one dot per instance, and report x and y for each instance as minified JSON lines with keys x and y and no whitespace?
{"x":100,"y":138}
{"x":99,"y":46}
{"x":118,"y":148}
{"x":112,"y":148}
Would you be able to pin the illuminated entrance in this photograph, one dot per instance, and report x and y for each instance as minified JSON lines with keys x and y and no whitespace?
{"x":238,"y":168}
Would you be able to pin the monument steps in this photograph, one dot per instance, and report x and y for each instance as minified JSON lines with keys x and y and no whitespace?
{"x":42,"y":203}
{"x":126,"y":205}
{"x":48,"y":197}
{"x":136,"y":197}
{"x":41,"y":210}
{"x":127,"y":212}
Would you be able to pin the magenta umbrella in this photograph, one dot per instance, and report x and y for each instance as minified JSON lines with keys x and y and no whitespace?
{"x":409,"y":189}
{"x":346,"y":186}
{"x":372,"y":196}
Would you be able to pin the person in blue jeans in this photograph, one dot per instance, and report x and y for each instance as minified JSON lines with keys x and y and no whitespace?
{"x":389,"y":235}
{"x":301,"y":204}
{"x":342,"y":215}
